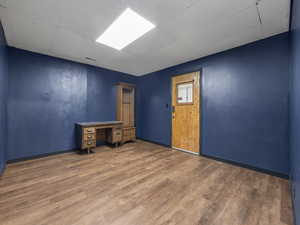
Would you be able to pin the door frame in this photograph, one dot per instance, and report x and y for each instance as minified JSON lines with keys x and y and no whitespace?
{"x":200,"y":112}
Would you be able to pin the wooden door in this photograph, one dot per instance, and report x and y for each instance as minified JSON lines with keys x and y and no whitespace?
{"x":186,"y":112}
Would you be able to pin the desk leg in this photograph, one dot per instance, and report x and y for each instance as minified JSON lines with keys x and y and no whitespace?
{"x":87,"y":151}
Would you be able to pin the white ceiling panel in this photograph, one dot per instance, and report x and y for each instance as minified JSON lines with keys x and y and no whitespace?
{"x":185,"y":29}
{"x":274,"y":16}
{"x":28,"y":34}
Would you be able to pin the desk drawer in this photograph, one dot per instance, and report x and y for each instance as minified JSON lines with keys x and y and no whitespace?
{"x":117,"y":135}
{"x":117,"y":132}
{"x":90,"y":136}
{"x":89,"y":130}
{"x":128,"y":134}
{"x":114,"y":135}
{"x":89,"y":144}
{"x":129,"y":131}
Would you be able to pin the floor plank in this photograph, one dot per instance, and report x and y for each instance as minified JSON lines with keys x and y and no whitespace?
{"x":140,"y":184}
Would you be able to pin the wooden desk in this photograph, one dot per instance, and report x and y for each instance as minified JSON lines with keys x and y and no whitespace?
{"x":90,"y":132}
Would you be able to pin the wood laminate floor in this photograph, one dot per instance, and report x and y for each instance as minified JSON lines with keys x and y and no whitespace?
{"x":139,"y":184}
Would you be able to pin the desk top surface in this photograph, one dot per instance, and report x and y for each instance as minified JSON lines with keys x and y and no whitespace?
{"x":104,"y":123}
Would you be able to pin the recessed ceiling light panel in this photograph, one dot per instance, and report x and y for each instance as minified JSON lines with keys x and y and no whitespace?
{"x":127,"y":28}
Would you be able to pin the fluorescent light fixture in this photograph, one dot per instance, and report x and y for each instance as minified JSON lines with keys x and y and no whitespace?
{"x":127,"y":28}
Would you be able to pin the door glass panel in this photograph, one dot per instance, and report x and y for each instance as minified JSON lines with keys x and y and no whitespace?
{"x":185,"y":93}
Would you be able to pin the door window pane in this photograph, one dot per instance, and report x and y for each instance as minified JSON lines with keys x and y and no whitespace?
{"x":185,"y":93}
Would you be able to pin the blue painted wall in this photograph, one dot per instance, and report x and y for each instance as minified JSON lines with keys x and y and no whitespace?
{"x":3,"y":98}
{"x":295,"y":109}
{"x":47,"y":96}
{"x":102,"y":89}
{"x":244,"y":104}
